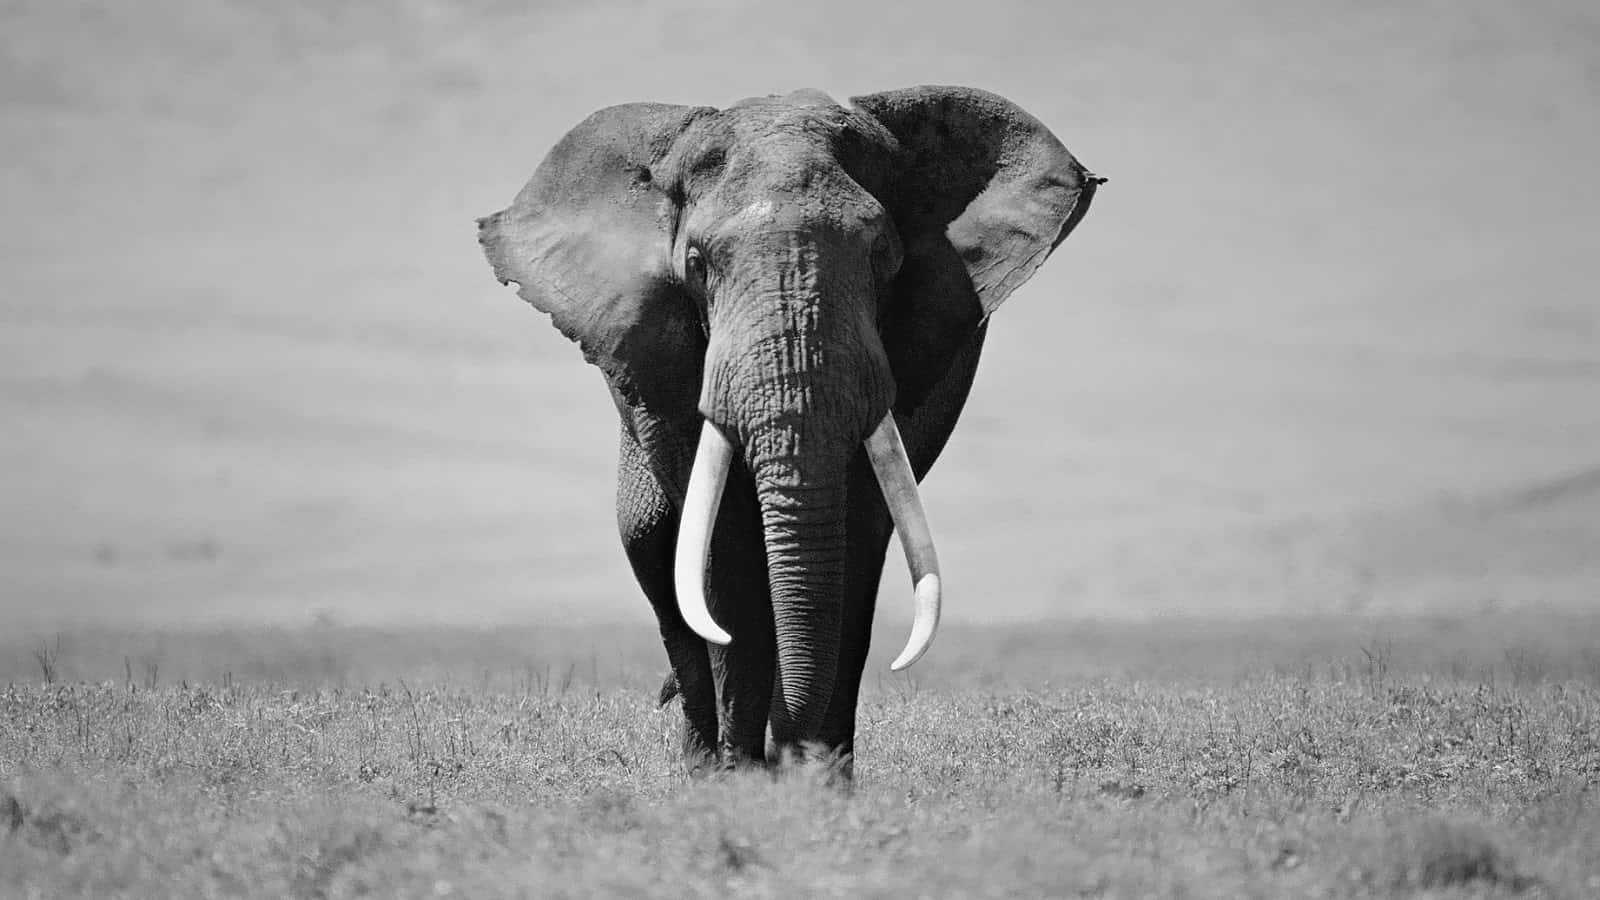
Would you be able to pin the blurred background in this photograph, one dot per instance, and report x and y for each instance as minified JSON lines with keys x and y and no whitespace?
{"x":1328,"y":344}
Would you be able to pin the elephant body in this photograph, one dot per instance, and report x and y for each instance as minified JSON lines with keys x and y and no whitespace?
{"x":783,"y":295}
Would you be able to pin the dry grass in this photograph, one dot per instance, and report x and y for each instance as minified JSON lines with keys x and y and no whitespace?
{"x":1337,"y":767}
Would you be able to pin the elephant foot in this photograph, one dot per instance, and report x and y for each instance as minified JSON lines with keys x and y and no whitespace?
{"x":814,"y":761}
{"x":697,"y":738}
{"x":741,"y":759}
{"x":699,"y":759}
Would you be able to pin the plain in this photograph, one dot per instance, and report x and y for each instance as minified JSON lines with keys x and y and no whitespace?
{"x":1427,"y":757}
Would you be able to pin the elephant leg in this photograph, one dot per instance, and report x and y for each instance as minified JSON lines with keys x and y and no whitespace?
{"x":740,"y":601}
{"x":870,"y":531}
{"x":649,"y":527}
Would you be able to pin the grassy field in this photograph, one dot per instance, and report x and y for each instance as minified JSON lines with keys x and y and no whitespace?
{"x":1422,"y":757}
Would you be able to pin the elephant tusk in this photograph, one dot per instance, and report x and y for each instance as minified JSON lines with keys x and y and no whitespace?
{"x":899,"y":483}
{"x":706,"y":481}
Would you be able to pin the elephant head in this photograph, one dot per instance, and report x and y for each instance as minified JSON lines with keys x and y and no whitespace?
{"x":773,"y":284}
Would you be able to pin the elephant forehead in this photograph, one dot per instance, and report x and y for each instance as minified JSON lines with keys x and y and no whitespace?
{"x":798,"y":120}
{"x":797,"y":197}
{"x":805,"y":100}
{"x":780,"y":143}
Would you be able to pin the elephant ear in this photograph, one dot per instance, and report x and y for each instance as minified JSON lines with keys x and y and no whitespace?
{"x":588,"y":240}
{"x":981,"y":193}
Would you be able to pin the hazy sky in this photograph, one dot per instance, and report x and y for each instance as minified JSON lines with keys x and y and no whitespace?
{"x":1346,"y":261}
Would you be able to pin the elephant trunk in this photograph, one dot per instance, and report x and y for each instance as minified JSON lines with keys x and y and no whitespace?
{"x":804,"y":525}
{"x":812,"y":395}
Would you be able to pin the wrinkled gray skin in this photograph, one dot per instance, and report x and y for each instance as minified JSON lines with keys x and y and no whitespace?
{"x":789,"y":269}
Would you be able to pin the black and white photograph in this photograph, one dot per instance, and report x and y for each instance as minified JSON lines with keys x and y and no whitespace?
{"x":706,"y":448}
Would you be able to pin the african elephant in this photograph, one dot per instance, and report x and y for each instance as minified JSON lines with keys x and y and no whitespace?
{"x":787,"y":298}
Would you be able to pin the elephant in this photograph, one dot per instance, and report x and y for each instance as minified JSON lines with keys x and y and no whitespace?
{"x":787,"y":299}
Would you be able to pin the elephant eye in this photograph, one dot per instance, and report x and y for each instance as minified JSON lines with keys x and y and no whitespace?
{"x":694,"y":277}
{"x":694,"y":268}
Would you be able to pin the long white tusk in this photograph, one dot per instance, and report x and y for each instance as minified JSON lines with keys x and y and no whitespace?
{"x":899,"y":483}
{"x":706,"y":481}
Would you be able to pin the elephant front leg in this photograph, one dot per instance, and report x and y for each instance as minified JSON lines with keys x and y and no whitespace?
{"x":870,"y":529}
{"x":739,"y":599}
{"x":649,"y":525}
